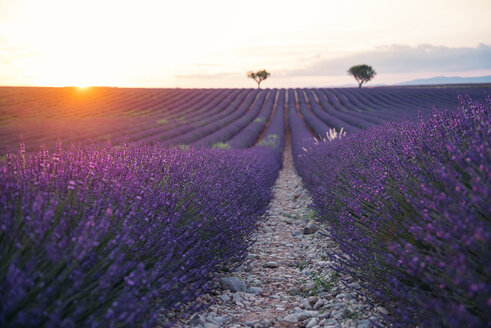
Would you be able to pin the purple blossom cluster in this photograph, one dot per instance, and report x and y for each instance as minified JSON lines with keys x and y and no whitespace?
{"x":408,"y":203}
{"x":119,"y":236}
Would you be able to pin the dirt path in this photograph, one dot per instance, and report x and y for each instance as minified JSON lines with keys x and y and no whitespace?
{"x":287,"y":280}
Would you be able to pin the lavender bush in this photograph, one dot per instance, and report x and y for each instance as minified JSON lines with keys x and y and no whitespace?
{"x":120,"y":236}
{"x":409,"y":205}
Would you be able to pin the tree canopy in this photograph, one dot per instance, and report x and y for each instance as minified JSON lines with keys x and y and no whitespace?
{"x":258,"y":76}
{"x":362,"y":73}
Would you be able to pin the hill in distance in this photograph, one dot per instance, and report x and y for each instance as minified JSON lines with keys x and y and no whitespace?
{"x":449,"y":80}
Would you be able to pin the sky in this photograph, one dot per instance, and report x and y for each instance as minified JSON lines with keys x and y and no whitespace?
{"x":214,"y":43}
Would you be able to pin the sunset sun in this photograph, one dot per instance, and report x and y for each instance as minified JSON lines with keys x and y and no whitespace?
{"x":83,"y":85}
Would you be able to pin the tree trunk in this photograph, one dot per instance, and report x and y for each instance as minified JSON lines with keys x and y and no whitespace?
{"x":359,"y":84}
{"x":258,"y":85}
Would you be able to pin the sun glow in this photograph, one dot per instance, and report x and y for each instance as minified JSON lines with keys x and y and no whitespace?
{"x":67,"y":82}
{"x":67,"y":76}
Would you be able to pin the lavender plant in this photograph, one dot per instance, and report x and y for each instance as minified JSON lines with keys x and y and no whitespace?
{"x":409,"y":205}
{"x":117,"y":237}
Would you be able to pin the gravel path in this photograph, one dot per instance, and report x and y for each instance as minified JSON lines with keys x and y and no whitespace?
{"x":287,"y":280}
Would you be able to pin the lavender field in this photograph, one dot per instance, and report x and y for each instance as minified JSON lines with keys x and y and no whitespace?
{"x":118,"y":206}
{"x":200,"y":117}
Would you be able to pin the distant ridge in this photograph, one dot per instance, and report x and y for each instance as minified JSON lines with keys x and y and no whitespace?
{"x":449,"y":80}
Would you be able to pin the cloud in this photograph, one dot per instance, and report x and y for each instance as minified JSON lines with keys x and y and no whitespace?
{"x":403,"y":59}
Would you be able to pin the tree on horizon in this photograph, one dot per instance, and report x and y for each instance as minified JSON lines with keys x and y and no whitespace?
{"x":362,"y":73}
{"x":258,"y":76}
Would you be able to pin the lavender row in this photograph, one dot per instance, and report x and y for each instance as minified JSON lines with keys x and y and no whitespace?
{"x":117,"y":237}
{"x":186,"y":131}
{"x":169,"y":118}
{"x":365,"y":107}
{"x":361,"y":110}
{"x":237,"y":124}
{"x":274,"y":135}
{"x":383,"y":107}
{"x":211,"y":109}
{"x":300,"y":134}
{"x":178,"y":121}
{"x":325,"y":111}
{"x":94,"y":118}
{"x":248,"y":136}
{"x":316,"y":124}
{"x":235,"y":110}
{"x":408,"y":203}
{"x":328,"y":119}
{"x":324,"y":98}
